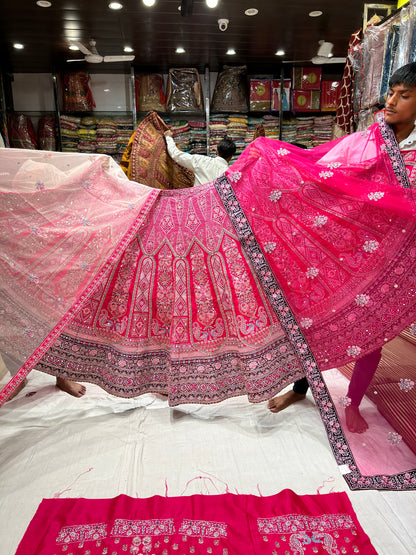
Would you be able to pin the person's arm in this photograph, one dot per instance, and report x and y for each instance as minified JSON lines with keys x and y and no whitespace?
{"x":182,"y":158}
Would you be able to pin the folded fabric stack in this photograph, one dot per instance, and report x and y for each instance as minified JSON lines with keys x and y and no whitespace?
{"x":198,"y":138}
{"x":106,"y":136}
{"x":322,"y":129}
{"x":271,"y":126}
{"x":304,"y":131}
{"x":251,"y":125}
{"x":124,"y":132}
{"x":217,"y":129}
{"x":237,"y":131}
{"x":181,"y":134}
{"x":289,"y":130}
{"x":69,"y":133}
{"x":87,"y":132}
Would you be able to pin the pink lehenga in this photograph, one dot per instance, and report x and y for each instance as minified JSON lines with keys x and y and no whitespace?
{"x":291,"y":263}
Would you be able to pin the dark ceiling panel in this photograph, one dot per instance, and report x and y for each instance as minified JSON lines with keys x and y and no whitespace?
{"x":155,"y":32}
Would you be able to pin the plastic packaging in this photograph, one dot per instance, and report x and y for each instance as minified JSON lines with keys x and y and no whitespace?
{"x":21,"y":132}
{"x":47,"y":133}
{"x":184,"y":91}
{"x":149,"y":92}
{"x":77,"y":96}
{"x":231,"y":92}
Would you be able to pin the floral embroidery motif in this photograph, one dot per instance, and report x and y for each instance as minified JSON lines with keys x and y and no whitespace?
{"x":85,"y":221}
{"x":362,"y":300}
{"x":334,"y":165}
{"x":312,"y":272}
{"x":152,"y":527}
{"x":275,"y":195}
{"x":412,"y":329}
{"x":234,"y":177}
{"x":203,"y":529}
{"x":344,"y":401}
{"x":320,"y":220}
{"x":282,"y":152}
{"x":269,"y":247}
{"x":35,"y":230}
{"x":297,"y":523}
{"x":325,"y":175}
{"x":406,"y":384}
{"x":394,"y":438}
{"x":371,"y":246}
{"x":82,"y":533}
{"x":353,"y":351}
{"x":376,"y":196}
{"x":86,"y":185}
{"x":40,"y":186}
{"x":306,"y":323}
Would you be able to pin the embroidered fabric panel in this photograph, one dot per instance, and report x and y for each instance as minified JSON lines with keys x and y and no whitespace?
{"x":182,"y":313}
{"x":225,"y":524}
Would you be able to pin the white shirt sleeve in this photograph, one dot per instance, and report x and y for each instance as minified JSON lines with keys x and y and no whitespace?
{"x":182,"y":158}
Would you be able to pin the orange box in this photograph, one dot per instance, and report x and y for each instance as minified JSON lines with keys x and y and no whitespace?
{"x":260,"y":94}
{"x":306,"y":78}
{"x":304,"y":101}
{"x":330,"y":91}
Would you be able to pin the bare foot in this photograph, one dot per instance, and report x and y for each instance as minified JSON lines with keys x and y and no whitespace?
{"x":281,"y":402}
{"x":73,"y":388}
{"x":18,"y":389}
{"x":355,"y":422}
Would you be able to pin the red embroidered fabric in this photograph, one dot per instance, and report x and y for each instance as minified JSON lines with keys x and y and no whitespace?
{"x":219,"y":524}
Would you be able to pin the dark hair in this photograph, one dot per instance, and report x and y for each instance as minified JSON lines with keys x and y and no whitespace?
{"x":226,"y":148}
{"x":405,"y":75}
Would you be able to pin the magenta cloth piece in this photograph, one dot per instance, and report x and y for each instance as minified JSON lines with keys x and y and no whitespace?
{"x":219,"y":524}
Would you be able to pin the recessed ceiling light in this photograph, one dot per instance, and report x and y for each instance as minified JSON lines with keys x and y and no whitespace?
{"x":280,"y":52}
{"x":128,"y":49}
{"x":231,"y":52}
{"x":251,"y":11}
{"x":115,"y":6}
{"x":18,"y":46}
{"x":180,"y":50}
{"x":315,"y":13}
{"x":44,"y":3}
{"x":211,"y":3}
{"x":149,"y":3}
{"x":73,"y":47}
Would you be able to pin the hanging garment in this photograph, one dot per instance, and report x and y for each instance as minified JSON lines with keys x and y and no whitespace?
{"x":147,"y":161}
{"x":219,"y":524}
{"x":290,"y":264}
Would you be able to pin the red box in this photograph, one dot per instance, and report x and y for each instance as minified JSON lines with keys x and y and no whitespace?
{"x":330,"y":91}
{"x":306,"y":101}
{"x":260,"y":94}
{"x":306,"y":78}
{"x":287,"y":87}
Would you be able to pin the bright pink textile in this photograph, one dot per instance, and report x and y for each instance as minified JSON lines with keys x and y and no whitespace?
{"x":292,"y":262}
{"x":225,"y":524}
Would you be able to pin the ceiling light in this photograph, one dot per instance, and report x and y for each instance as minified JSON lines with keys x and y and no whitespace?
{"x":211,"y":3}
{"x":149,"y":3}
{"x":231,"y":52}
{"x":115,"y":6}
{"x":18,"y":46}
{"x":44,"y":3}
{"x":180,"y":50}
{"x":251,"y":11}
{"x":128,"y":49}
{"x":73,"y":47}
{"x":280,"y":52}
{"x":315,"y":13}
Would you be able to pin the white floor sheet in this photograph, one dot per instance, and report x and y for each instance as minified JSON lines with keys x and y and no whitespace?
{"x":54,"y":445}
